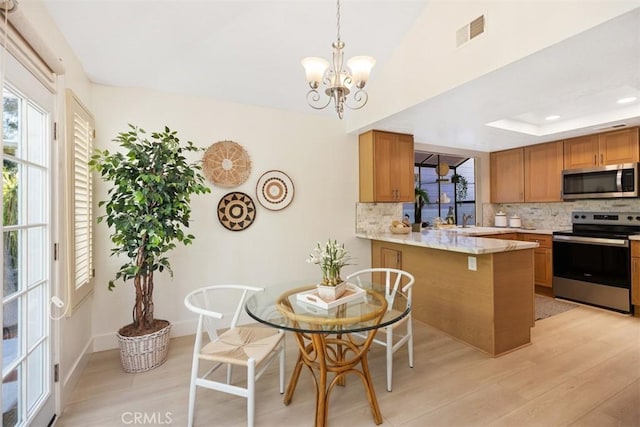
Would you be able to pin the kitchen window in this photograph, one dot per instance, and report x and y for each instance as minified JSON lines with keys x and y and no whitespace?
{"x":449,"y":181}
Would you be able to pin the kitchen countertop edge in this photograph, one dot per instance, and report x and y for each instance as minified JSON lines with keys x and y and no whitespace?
{"x":453,"y":241}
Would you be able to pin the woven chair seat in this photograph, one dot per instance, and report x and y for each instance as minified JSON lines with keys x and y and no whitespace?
{"x":238,"y":345}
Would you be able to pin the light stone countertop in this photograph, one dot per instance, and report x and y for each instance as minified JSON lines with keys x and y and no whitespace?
{"x":480,"y":231}
{"x":454,"y":240}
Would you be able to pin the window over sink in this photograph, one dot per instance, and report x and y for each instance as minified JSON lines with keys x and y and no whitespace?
{"x":449,"y":182}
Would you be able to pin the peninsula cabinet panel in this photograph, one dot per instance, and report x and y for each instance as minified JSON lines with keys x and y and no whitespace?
{"x":543,"y":164}
{"x":609,"y":148}
{"x":490,"y":308}
{"x":386,"y":167}
{"x":507,"y":176}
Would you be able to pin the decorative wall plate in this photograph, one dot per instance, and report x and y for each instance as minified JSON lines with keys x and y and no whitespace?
{"x":226,"y":164}
{"x":274,"y":190}
{"x":236,"y":211}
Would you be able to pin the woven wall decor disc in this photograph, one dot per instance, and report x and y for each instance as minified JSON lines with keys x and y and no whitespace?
{"x":274,"y":190}
{"x":236,"y":211}
{"x":226,"y":164}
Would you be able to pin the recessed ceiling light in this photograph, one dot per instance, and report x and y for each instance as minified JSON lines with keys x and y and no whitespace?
{"x":552,"y":118}
{"x":626,"y":100}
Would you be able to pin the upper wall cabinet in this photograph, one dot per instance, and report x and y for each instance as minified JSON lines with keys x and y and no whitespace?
{"x":386,"y":167}
{"x":542,"y":171}
{"x":507,"y":176}
{"x":602,"y":149}
{"x":529,"y":174}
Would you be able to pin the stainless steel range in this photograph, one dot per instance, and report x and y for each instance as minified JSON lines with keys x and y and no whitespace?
{"x":592,"y":262}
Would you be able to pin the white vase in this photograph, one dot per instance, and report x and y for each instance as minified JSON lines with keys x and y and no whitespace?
{"x":332,"y":293}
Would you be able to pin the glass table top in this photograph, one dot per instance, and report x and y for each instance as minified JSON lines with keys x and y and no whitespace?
{"x":279,"y":306}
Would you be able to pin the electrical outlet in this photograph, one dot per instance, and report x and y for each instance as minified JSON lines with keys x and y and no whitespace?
{"x":472,"y":263}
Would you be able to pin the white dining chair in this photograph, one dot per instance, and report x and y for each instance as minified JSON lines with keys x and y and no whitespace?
{"x":394,"y":280}
{"x":252,"y":347}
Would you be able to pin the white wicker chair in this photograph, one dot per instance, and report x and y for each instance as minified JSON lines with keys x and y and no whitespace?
{"x":252,"y":346}
{"x":393,"y":280}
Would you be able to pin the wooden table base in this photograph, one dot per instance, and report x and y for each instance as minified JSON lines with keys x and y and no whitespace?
{"x":323,"y":353}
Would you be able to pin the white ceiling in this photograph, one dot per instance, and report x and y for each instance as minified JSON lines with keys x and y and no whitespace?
{"x":249,"y":52}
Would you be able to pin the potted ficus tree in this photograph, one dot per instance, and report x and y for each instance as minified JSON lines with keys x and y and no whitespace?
{"x":147,"y":210}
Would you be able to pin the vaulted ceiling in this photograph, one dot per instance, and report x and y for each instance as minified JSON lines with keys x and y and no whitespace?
{"x":249,"y":52}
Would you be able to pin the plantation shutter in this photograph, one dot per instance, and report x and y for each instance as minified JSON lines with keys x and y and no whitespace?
{"x":80,"y":136}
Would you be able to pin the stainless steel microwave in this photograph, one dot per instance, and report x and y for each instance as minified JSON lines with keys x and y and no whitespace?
{"x":600,"y":182}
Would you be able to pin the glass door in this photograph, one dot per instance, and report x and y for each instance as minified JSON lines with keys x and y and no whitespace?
{"x":27,"y":380}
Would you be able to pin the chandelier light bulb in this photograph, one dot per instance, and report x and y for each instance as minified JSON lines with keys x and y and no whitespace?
{"x":315,"y":68}
{"x":360,"y":67}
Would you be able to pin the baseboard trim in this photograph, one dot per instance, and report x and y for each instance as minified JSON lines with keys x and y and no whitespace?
{"x":73,"y":374}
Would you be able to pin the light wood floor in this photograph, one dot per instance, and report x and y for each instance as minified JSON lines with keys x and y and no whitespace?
{"x":583,"y":369}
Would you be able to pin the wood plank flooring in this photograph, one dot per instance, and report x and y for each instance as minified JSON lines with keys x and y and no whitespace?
{"x":582,"y":369}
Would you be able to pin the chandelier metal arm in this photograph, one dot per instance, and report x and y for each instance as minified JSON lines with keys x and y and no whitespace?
{"x":313,"y":99}
{"x":359,"y":98}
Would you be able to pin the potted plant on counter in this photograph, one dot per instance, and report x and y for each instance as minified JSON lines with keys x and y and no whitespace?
{"x":147,"y":210}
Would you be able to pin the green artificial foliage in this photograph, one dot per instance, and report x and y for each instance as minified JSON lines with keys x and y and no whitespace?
{"x":422,"y":198}
{"x":148,"y":209}
{"x":461,"y":186}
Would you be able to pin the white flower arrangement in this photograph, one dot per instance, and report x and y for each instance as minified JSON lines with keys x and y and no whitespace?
{"x":331,"y":258}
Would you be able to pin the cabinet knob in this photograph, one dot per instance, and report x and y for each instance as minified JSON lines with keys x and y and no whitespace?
{"x":602,"y":159}
{"x":595,"y":159}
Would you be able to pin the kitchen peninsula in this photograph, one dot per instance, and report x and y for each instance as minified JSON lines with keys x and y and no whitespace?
{"x":478,"y":290}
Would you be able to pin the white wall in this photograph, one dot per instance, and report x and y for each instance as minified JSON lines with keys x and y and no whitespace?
{"x":316,"y":153}
{"x":428,"y":63}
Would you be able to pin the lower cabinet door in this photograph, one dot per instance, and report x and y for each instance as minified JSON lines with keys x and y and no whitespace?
{"x":543,"y":268}
{"x":390,"y":258}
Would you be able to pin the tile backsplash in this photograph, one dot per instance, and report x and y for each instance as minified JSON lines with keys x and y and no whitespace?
{"x":556,"y":215}
{"x":376,"y":217}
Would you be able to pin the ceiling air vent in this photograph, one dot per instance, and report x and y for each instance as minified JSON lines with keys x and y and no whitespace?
{"x":470,"y":31}
{"x":616,"y":126}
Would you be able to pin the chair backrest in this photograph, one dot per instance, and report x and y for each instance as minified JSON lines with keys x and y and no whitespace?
{"x":392,"y":279}
{"x":208,"y":303}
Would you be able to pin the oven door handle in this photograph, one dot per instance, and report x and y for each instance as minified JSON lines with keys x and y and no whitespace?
{"x":592,"y":240}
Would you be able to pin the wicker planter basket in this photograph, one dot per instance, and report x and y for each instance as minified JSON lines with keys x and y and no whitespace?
{"x":143,"y":353}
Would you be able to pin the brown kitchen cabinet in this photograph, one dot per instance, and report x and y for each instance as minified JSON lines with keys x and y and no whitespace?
{"x":610,"y":148}
{"x":507,"y":176}
{"x":543,"y":164}
{"x":387,"y":258}
{"x":542,"y":258}
{"x":635,"y":274}
{"x":386,"y":162}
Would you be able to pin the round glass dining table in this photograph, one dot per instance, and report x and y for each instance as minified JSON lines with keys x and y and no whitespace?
{"x":332,"y":337}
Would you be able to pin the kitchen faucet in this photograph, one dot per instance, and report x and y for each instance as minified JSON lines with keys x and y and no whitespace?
{"x":465,"y":218}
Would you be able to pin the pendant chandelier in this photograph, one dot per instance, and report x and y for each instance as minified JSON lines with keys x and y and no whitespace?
{"x":337,"y":81}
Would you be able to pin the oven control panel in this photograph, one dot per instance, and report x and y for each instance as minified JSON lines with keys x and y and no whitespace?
{"x":606,"y":218}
